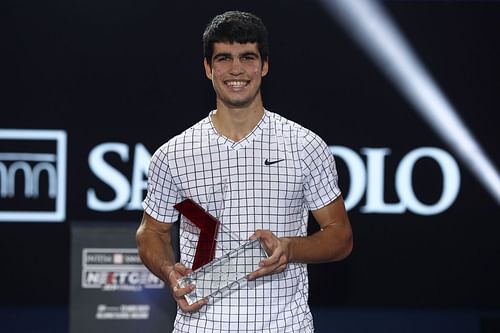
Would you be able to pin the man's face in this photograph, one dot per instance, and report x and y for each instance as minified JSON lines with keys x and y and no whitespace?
{"x":236,"y":72}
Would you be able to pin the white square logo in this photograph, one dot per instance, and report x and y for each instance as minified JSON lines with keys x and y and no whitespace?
{"x":32,"y":175}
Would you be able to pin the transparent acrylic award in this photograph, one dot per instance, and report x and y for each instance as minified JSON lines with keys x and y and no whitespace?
{"x":211,"y":274}
{"x":222,"y":272}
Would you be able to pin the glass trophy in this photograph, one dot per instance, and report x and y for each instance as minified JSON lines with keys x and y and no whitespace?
{"x":212,"y":275}
{"x":222,"y":272}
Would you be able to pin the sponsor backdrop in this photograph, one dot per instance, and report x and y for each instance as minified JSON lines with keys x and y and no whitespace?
{"x":110,"y":285}
{"x":92,"y":88}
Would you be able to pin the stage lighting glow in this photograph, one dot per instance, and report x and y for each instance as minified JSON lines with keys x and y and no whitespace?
{"x":375,"y":32}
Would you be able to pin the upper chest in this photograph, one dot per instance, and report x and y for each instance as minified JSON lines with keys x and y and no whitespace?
{"x":259,"y":168}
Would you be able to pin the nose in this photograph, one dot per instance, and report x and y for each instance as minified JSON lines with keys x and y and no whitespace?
{"x":236,"y":67}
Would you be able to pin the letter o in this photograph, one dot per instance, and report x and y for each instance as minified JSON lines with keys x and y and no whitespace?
{"x":451,"y":180}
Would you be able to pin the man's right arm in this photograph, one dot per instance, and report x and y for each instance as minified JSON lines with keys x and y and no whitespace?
{"x":156,"y":252}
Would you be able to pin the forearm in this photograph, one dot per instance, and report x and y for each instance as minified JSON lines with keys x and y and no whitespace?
{"x":156,"y":251}
{"x":332,"y":243}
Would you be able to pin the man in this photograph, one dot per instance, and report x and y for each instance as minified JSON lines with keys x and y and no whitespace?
{"x":259,"y":174}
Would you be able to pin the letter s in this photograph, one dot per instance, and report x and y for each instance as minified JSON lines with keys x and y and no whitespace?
{"x":110,"y":176}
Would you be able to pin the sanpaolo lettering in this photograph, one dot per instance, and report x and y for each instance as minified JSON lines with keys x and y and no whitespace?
{"x":369,"y":179}
{"x":128,"y":194}
{"x":366,"y":179}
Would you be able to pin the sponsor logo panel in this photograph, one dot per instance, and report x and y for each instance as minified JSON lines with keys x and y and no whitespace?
{"x":32,"y":175}
{"x":116,"y":270}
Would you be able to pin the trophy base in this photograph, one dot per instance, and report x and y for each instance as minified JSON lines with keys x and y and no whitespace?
{"x":222,"y":272}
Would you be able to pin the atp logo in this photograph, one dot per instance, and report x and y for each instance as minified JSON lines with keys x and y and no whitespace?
{"x":32,"y":175}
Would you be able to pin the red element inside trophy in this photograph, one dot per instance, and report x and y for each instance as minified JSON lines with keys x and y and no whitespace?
{"x":208,"y":224}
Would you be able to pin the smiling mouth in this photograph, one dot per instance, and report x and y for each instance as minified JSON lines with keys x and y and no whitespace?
{"x":236,"y":84}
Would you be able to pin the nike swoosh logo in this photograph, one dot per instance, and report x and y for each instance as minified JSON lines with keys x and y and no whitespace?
{"x":267,"y":162}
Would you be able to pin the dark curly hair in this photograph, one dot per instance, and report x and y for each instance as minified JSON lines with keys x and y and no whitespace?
{"x":235,"y":26}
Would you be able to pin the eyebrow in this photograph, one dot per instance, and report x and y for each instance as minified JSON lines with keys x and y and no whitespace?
{"x":229,"y":55}
{"x":222,"y":54}
{"x":250,"y":53}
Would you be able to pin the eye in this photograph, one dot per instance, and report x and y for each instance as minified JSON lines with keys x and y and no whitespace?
{"x":222,"y":58}
{"x":248,"y":57}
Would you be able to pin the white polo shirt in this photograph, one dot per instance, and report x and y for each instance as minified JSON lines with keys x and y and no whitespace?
{"x":268,"y":180}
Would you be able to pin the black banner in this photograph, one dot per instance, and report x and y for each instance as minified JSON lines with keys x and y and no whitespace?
{"x":90,"y":90}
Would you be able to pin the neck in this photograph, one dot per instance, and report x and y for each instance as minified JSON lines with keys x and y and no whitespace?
{"x":236,"y":123}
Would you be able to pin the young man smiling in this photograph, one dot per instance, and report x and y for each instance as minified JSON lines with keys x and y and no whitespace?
{"x":260,"y":174}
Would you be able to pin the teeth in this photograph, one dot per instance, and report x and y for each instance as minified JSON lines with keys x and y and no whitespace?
{"x":236,"y":83}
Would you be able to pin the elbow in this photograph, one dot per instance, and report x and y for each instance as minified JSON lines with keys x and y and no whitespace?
{"x":138,"y":235}
{"x":344,"y":247}
{"x":139,"y":239}
{"x":348,"y":245}
{"x":346,"y":241}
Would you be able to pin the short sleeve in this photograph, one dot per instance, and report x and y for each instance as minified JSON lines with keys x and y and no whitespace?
{"x":162,"y":193}
{"x":320,"y":173}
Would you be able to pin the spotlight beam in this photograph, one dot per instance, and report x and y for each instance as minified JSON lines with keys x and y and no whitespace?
{"x":373,"y":29}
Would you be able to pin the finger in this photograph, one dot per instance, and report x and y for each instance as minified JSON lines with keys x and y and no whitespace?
{"x":262,"y":234}
{"x":173,"y":278}
{"x":281,"y":268}
{"x":260,"y":272}
{"x":255,"y":275}
{"x":181,"y":269}
{"x":273,"y":258}
{"x":185,"y":307}
{"x":269,"y":242}
{"x":178,"y":271}
{"x":268,"y":268}
{"x":180,"y":292}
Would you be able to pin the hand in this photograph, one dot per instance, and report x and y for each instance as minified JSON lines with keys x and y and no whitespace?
{"x":276,"y":248}
{"x":174,"y":274}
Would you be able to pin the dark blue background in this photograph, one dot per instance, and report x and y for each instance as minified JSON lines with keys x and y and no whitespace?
{"x":131,"y":72}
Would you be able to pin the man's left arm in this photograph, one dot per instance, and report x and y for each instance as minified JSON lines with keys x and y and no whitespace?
{"x":332,"y":242}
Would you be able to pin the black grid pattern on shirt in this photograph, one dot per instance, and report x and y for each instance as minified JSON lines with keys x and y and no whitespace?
{"x":258,"y":196}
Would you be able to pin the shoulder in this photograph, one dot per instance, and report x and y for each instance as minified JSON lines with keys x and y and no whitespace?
{"x":293,"y":130}
{"x":183,"y":141}
{"x":191,"y":135}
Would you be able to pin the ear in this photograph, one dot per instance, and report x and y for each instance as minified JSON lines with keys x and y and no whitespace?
{"x":208,"y":69}
{"x":265,"y":67}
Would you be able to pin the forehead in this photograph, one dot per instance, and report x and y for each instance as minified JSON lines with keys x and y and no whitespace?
{"x":235,"y":48}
